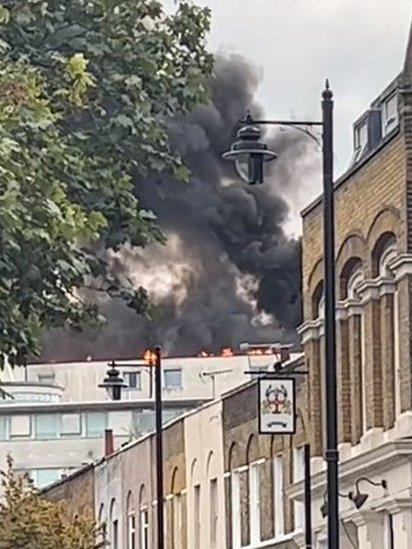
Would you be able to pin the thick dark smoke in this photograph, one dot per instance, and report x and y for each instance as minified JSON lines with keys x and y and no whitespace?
{"x":228,"y":273}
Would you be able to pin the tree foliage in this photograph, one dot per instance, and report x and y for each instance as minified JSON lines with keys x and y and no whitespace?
{"x":30,"y":521}
{"x":87,"y":88}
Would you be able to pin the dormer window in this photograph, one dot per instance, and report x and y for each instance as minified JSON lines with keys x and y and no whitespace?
{"x":360,"y":139}
{"x":389,"y":114}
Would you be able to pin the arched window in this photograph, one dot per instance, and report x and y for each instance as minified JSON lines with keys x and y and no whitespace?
{"x":384,"y":253}
{"x":357,"y":345}
{"x":102,"y":522}
{"x":177,"y":512}
{"x":235,"y":484}
{"x":213,"y":503}
{"x":195,"y":503}
{"x":131,"y":522}
{"x":143,"y":518}
{"x":254,"y":489}
{"x":318,"y":302}
{"x":114,"y":526}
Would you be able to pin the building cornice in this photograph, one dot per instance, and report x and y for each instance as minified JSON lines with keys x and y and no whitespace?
{"x":372,"y":462}
{"x":107,"y":405}
{"x":401,"y":266}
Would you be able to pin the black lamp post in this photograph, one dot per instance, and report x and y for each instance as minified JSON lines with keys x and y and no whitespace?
{"x":249,"y":155}
{"x":114,"y":384}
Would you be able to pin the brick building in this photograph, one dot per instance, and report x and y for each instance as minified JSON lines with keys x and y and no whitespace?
{"x":373,"y":209}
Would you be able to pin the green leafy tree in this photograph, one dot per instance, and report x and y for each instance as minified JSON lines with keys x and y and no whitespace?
{"x":87,"y":89}
{"x":30,"y":521}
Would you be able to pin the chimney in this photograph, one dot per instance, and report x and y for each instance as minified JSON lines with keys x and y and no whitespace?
{"x":284,"y":354}
{"x":108,"y":442}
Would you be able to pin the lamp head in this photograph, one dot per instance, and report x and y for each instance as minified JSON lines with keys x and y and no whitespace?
{"x":359,"y":499}
{"x":324,"y":509}
{"x":113,"y":383}
{"x":249,"y":153}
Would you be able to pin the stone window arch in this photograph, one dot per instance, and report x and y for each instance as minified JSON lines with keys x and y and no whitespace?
{"x":318,"y":301}
{"x":384,"y":247}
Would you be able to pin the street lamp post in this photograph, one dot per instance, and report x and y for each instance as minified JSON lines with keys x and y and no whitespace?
{"x":159,"y":448}
{"x":249,"y":154}
{"x":114,"y":384}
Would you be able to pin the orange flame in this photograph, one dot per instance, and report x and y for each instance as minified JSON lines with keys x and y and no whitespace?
{"x":227,"y":352}
{"x":149,"y":357}
{"x":204,"y":354}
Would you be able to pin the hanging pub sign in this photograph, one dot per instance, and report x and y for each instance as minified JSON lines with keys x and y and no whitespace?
{"x":277,"y":406}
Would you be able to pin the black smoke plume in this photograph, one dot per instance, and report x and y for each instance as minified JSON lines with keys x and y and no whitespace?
{"x":228,"y":272}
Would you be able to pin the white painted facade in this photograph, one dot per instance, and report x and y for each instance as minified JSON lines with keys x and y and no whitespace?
{"x":205,"y":478}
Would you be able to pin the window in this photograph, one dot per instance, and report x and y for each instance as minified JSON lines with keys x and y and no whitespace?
{"x":47,"y":378}
{"x":46,"y":426}
{"x":3,"y":427}
{"x":360,"y":139}
{"x":196,"y":517}
{"x":131,"y":526}
{"x":133,"y":380}
{"x":143,"y":421}
{"x":70,"y":424}
{"x":20,"y":426}
{"x":95,"y":424}
{"x":115,"y":534}
{"x":144,"y":528}
{"x":389,"y":114}
{"x":278,"y":496}
{"x":254,"y":502}
{"x":214,"y":511}
{"x":235,"y":504}
{"x":298,"y":475}
{"x":44,"y":477}
{"x":173,"y":379}
{"x":177,"y":521}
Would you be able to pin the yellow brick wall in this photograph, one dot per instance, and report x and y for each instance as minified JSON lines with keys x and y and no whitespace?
{"x":378,"y":184}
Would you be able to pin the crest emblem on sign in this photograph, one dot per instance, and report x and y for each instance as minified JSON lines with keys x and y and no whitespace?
{"x":276,"y":401}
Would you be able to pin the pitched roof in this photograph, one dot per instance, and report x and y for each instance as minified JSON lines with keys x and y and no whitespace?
{"x":407,"y":69}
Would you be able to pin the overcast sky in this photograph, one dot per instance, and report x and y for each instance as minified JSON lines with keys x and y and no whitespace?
{"x":358,"y":44}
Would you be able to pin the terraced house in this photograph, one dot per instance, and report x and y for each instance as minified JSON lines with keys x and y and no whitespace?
{"x":373,"y":204}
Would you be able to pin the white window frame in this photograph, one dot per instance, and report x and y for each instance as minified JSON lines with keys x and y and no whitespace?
{"x":298,"y":475}
{"x":173,"y":387}
{"x":71,"y":432}
{"x":278,"y":474}
{"x":254,"y":502}
{"x":235,"y":505}
{"x":389,"y":122}
{"x":144,"y":527}
{"x":25,"y":434}
{"x":196,"y":515}
{"x":214,"y":510}
{"x":138,"y":374}
{"x":360,"y":146}
{"x":177,"y":520}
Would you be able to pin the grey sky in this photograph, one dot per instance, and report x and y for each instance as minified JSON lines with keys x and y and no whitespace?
{"x":358,"y":44}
